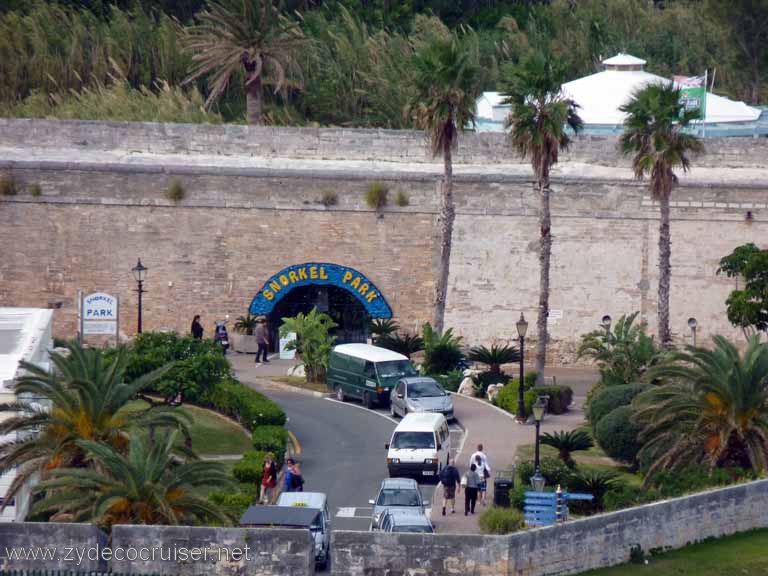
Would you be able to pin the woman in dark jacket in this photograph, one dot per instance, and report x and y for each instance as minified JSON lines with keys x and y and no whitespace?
{"x":197,"y":328}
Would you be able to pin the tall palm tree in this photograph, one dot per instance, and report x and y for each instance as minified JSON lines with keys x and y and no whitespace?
{"x":447,"y":78}
{"x":711,"y":409}
{"x":252,"y":35}
{"x":654,"y":133}
{"x":148,"y":485}
{"x":81,"y":399}
{"x":537,"y":121}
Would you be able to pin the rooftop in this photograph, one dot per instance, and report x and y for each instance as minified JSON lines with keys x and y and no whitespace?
{"x":22,"y":332}
{"x":368,"y":352}
{"x":622,"y":59}
{"x":420,"y":420}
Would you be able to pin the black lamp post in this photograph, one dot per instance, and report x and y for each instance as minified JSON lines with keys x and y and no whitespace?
{"x":522,"y":328}
{"x":139,"y":274}
{"x":537,"y":480}
{"x":693,"y":324}
{"x":606,"y":322}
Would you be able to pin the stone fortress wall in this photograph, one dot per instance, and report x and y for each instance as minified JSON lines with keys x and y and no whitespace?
{"x":252,"y":207}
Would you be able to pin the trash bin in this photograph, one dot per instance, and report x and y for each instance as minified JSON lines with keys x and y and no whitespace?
{"x":502,"y":484}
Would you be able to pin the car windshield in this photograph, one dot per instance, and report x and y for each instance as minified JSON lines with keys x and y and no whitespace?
{"x":398,"y":368}
{"x":398,"y":497}
{"x":415,"y":440}
{"x":425,"y":389}
{"x":413,"y":529}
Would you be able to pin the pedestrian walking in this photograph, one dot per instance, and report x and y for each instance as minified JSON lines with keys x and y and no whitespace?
{"x":268,"y":480}
{"x":470,"y":481}
{"x":484,"y":472}
{"x":262,"y":339}
{"x":476,"y":453}
{"x":288,"y":476}
{"x":197,"y":328}
{"x":297,"y":480}
{"x":450,"y":479}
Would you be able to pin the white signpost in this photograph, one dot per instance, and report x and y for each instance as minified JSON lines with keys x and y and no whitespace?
{"x":554,"y":317}
{"x":99,"y":314}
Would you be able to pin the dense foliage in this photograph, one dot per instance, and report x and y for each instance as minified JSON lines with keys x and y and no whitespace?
{"x":313,"y":342}
{"x":442,"y":351}
{"x":356,"y":66}
{"x":606,"y":400}
{"x":496,"y":520}
{"x":618,"y":435}
{"x":748,"y":306}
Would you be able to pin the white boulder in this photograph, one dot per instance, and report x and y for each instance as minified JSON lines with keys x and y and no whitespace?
{"x":297,"y":370}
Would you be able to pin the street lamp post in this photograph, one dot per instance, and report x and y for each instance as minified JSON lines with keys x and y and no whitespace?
{"x":537,"y":480}
{"x":522,"y":328}
{"x":139,"y":274}
{"x":693,"y":324}
{"x":606,"y":322}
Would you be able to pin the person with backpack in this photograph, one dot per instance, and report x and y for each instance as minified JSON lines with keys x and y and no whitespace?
{"x":449,"y":478}
{"x":297,"y":480}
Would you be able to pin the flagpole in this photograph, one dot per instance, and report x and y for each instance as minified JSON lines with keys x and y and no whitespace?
{"x":704,"y":108}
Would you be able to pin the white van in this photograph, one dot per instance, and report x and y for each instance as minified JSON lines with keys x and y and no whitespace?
{"x":420,"y":445}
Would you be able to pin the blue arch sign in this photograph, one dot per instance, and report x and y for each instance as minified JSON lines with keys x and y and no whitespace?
{"x":279,"y":285}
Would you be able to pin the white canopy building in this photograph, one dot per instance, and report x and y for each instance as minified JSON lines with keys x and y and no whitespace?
{"x":25,"y":334}
{"x":600,"y":96}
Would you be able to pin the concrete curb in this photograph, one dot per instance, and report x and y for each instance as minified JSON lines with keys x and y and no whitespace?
{"x":489,"y":405}
{"x":286,"y":387}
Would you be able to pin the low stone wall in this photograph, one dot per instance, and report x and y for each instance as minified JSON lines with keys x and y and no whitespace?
{"x":51,"y":546}
{"x":188,"y":551}
{"x":570,"y":548}
{"x":324,"y":143}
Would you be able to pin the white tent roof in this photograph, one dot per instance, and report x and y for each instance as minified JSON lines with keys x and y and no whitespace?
{"x":600,"y":95}
{"x":24,"y":335}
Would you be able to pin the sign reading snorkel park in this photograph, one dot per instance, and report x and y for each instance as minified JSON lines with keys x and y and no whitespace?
{"x":279,"y":285}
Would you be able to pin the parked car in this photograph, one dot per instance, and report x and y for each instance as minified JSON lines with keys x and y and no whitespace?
{"x":396,"y":493}
{"x":419,"y":446}
{"x":420,"y":394}
{"x":321,"y":528}
{"x":366,"y":372}
{"x":405,"y":521}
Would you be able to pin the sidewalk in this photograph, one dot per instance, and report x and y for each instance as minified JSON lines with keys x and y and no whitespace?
{"x":500,"y":436}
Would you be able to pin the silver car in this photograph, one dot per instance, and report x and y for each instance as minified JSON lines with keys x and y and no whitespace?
{"x":420,"y":394}
{"x":406,"y":521}
{"x":396,"y":494}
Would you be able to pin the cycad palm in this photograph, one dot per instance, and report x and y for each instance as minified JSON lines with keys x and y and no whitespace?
{"x":86,"y":393}
{"x":654,"y":134}
{"x":148,"y":485}
{"x":566,"y":442}
{"x":537,"y":122}
{"x":712,"y":409}
{"x":252,"y":35}
{"x":494,"y":356}
{"x":447,"y":78}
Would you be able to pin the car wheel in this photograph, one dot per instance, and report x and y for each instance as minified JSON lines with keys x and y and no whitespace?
{"x":368,"y":400}
{"x":340,"y":394}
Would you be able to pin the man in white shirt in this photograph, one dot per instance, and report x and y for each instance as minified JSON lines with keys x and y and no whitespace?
{"x":480,"y":460}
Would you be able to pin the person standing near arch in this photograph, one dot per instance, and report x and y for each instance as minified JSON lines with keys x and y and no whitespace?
{"x":262,"y":339}
{"x":197,"y":328}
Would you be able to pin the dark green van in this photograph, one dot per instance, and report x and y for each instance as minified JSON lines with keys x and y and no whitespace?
{"x":366,"y":372}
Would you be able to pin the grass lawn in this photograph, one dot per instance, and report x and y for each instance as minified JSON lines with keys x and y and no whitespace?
{"x":742,"y":554}
{"x":211,"y":433}
{"x":301,"y":383}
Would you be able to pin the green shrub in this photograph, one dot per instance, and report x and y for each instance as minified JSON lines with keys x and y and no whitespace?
{"x":376,"y":195}
{"x":560,"y":397}
{"x":554,"y":470}
{"x":270,"y":439}
{"x":175,"y":191}
{"x":485,"y":379}
{"x":35,"y":190}
{"x":595,"y":482}
{"x":450,"y":381}
{"x":496,"y":520}
{"x":442,"y":352}
{"x":401,"y":199}
{"x":507,"y":399}
{"x":617,"y":435}
{"x":8,"y":185}
{"x":673,"y":483}
{"x":233,"y":503}
{"x":250,"y":468}
{"x":627,"y":496}
{"x":243,"y":404}
{"x":517,"y":496}
{"x":329,"y":198}
{"x":529,"y":380}
{"x":609,"y":398}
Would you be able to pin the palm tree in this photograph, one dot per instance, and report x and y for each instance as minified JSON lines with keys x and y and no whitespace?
{"x":148,"y":485}
{"x":447,"y":78}
{"x":654,"y":133}
{"x":494,"y":356}
{"x":711,"y":409}
{"x":246,"y":324}
{"x":403,"y":343}
{"x":568,"y":442}
{"x":537,"y":122}
{"x":85,"y":394}
{"x":252,"y":35}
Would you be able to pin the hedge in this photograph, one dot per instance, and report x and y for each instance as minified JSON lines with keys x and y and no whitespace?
{"x":497,"y":520}
{"x":233,"y":503}
{"x":243,"y":404}
{"x":610,"y":398}
{"x":270,"y":439}
{"x":250,"y":468}
{"x":560,"y":397}
{"x":617,"y":435}
{"x":554,"y":470}
{"x":507,"y":399}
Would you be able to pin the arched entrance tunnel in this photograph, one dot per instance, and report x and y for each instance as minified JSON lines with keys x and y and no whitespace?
{"x":343,"y":293}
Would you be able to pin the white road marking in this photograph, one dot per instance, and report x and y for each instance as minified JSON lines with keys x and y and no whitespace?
{"x":362,"y":408}
{"x":345,"y":513}
{"x":354,"y":512}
